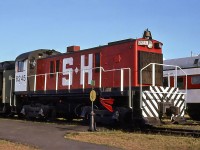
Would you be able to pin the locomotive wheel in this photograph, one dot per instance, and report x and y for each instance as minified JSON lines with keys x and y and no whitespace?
{"x":69,"y":118}
{"x":86,"y":119}
{"x":124,"y":115}
{"x":20,"y":116}
{"x":51,"y":115}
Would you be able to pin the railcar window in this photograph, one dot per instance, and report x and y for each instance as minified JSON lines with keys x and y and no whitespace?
{"x":57,"y":65}
{"x":20,"y":66}
{"x":51,"y":68}
{"x":195,"y":79}
{"x":180,"y":83}
{"x":196,"y":61}
{"x":97,"y":61}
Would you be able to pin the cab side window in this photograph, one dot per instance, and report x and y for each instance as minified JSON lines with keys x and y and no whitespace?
{"x":51,"y":69}
{"x":57,"y":65}
{"x":97,"y":62}
{"x":20,"y":66}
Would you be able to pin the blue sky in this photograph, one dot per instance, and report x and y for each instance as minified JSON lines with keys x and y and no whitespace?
{"x":55,"y":24}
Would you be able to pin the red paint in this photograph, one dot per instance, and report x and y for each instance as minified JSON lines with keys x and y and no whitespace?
{"x":107,"y":103}
{"x":73,"y":48}
{"x":115,"y":56}
{"x":189,"y":82}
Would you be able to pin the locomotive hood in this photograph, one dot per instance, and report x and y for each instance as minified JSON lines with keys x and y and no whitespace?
{"x":40,"y":53}
{"x":7,"y":65}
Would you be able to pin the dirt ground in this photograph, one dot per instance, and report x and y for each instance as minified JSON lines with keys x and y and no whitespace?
{"x":45,"y":136}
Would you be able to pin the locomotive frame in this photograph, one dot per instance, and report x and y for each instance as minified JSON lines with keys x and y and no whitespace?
{"x":49,"y":84}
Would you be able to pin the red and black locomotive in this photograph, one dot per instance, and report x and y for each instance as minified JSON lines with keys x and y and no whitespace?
{"x":127,"y":76}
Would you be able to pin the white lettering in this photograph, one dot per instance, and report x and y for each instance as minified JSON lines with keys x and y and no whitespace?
{"x":21,"y":77}
{"x":86,"y":69}
{"x":67,"y":71}
{"x":143,"y":42}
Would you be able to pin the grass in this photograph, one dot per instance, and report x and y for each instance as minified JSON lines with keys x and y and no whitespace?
{"x":136,"y":141}
{"x":191,"y":127}
{"x":7,"y":145}
{"x":189,"y":124}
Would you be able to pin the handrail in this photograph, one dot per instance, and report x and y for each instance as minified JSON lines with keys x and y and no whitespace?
{"x":102,"y":70}
{"x":11,"y":92}
{"x":153,"y":77}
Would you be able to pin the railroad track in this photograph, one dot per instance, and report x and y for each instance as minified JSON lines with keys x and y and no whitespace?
{"x":171,"y":131}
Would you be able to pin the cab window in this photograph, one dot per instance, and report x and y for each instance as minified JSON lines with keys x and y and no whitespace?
{"x":51,"y":68}
{"x":97,"y":62}
{"x":57,"y":65}
{"x":20,"y":66}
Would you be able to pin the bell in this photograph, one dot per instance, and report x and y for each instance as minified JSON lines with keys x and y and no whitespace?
{"x":147,"y":34}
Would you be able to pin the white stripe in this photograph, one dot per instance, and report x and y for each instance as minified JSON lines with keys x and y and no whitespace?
{"x":170,"y":92}
{"x":173,"y":95}
{"x":143,"y":113}
{"x":147,"y":110}
{"x":183,"y":113}
{"x":149,"y":95}
{"x":176,"y":101}
{"x":152,"y":108}
{"x":151,"y":88}
{"x":144,"y":95}
{"x":182,"y":108}
{"x":159,"y":91}
{"x":155,"y":103}
{"x":179,"y":103}
{"x":154,"y":94}
{"x":163,"y":89}
{"x":178,"y":97}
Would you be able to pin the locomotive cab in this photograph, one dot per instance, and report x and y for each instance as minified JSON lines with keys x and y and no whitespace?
{"x":25,"y":68}
{"x":25,"y":78}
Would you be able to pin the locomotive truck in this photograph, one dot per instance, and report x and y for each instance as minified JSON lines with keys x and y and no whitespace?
{"x":127,"y":76}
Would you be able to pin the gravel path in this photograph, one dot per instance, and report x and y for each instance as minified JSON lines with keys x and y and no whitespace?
{"x":45,"y":136}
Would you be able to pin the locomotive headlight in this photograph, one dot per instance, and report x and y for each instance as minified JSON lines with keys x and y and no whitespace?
{"x":150,"y":44}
